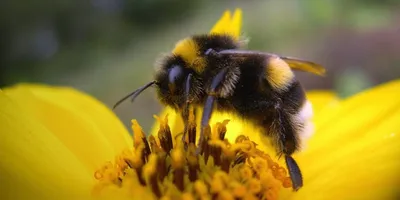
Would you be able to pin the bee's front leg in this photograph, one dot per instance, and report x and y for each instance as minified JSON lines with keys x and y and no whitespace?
{"x":185,"y":110}
{"x":209,"y":106}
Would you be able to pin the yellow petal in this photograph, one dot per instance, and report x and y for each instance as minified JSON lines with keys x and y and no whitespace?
{"x":321,"y":100}
{"x":84,"y":125}
{"x":34,"y":163}
{"x":354,"y":153}
{"x":236,"y":23}
{"x":229,"y":25}
{"x":222,"y":24}
{"x":354,"y":117}
{"x":366,"y":169}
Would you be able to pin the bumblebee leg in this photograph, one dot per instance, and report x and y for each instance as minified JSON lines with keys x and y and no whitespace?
{"x":185,"y":111}
{"x":294,"y":172}
{"x":287,"y":141}
{"x":208,"y":106}
{"x":211,"y":52}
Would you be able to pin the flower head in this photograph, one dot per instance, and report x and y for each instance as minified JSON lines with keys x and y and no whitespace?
{"x":225,"y":170}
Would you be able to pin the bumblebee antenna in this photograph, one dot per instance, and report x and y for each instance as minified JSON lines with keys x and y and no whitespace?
{"x":134,"y":94}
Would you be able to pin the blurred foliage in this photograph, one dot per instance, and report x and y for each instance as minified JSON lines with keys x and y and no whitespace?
{"x":58,"y":35}
{"x":107,"y":47}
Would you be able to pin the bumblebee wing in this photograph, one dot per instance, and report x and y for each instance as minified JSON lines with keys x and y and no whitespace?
{"x":294,"y":63}
{"x":304,"y":65}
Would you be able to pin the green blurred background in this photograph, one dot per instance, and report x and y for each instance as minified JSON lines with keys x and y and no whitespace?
{"x":107,"y":48}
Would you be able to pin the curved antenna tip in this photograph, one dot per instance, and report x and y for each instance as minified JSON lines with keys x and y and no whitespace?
{"x":134,"y":94}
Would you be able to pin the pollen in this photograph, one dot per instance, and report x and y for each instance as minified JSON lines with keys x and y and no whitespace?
{"x":163,"y":167}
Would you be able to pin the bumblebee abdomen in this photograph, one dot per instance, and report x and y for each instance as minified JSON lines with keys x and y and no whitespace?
{"x":278,"y":73}
{"x":274,"y":104}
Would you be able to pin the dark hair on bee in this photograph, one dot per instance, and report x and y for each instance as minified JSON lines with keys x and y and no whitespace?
{"x":215,"y":42}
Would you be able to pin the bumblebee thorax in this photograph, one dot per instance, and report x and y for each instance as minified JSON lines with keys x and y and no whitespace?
{"x":192,"y":49}
{"x":189,"y":51}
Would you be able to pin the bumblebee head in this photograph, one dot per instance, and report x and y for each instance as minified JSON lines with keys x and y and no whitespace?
{"x":171,"y":77}
{"x":188,"y":58}
{"x":170,"y":80}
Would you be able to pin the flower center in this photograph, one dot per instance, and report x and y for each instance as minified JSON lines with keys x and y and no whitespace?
{"x":158,"y":169}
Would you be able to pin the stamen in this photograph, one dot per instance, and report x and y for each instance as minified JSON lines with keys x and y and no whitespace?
{"x":254,"y":186}
{"x":191,"y":127}
{"x":138,"y":134}
{"x":137,"y":163}
{"x":150,"y":173}
{"x":224,"y":170}
{"x":225,"y":195}
{"x":238,"y":190}
{"x":154,"y":146}
{"x":205,"y":147}
{"x":193,"y":163}
{"x":177,"y":166}
{"x":201,"y":189}
{"x":221,"y":129}
{"x":216,"y":185}
{"x":140,"y":139}
{"x":161,"y":166}
{"x":164,"y":134}
{"x":187,"y":196}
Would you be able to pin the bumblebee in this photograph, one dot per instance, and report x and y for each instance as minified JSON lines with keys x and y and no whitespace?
{"x":213,"y":72}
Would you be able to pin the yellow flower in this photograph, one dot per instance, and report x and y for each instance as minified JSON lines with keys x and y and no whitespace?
{"x":54,"y":142}
{"x":53,"y":139}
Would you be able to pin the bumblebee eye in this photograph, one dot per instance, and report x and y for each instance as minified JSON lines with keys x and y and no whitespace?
{"x":174,"y":73}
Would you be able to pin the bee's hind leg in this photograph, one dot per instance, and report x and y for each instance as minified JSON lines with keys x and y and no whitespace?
{"x":294,"y":172}
{"x":285,"y":134}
